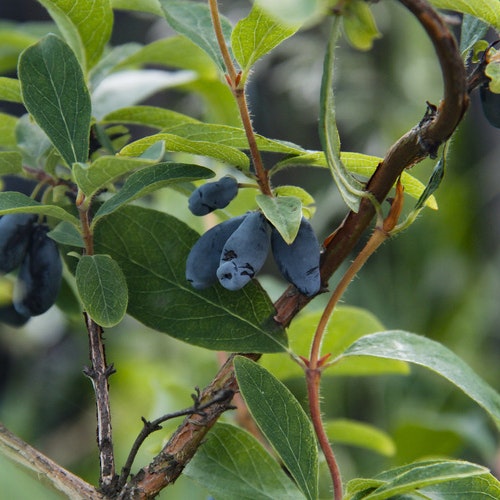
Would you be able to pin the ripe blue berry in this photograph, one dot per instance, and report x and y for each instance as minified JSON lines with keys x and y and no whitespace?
{"x":10,"y":316}
{"x":213,"y":195}
{"x":245,"y":252}
{"x":40,"y":275}
{"x":15,"y":230}
{"x":203,"y":259}
{"x":299,"y":262}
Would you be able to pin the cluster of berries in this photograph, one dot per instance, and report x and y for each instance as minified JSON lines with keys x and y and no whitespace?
{"x":234,"y":251}
{"x":25,"y":246}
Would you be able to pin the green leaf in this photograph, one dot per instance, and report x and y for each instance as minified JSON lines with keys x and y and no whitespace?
{"x":11,"y":162}
{"x":10,"y":90}
{"x":67,"y":234}
{"x":283,"y":212}
{"x":14,"y":38}
{"x":359,"y":25}
{"x":434,"y":181}
{"x":175,"y":143}
{"x":282,"y":421}
{"x":342,"y":431}
{"x":346,"y":325}
{"x":358,"y":164}
{"x":492,"y":71}
{"x":86,"y":26}
{"x":193,"y":20}
{"x":422,"y":351}
{"x":308,"y":203}
{"x":32,"y":141}
{"x":104,"y":170}
{"x":233,"y":464}
{"x":293,"y":11}
{"x":151,"y":6}
{"x":8,"y":125}
{"x":13,"y":202}
{"x":472,"y":30}
{"x":150,"y":179}
{"x":256,"y":35}
{"x":416,"y":477}
{"x":349,"y":188}
{"x":487,"y":10}
{"x":102,"y":288}
{"x":56,"y":96}
{"x":151,"y":249}
{"x":173,"y":52}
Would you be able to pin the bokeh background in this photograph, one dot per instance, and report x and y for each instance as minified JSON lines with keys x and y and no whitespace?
{"x":441,"y":278}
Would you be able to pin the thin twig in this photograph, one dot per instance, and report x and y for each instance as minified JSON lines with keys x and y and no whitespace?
{"x":44,"y":469}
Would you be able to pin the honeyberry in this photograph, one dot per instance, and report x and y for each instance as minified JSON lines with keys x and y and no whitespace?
{"x":40,"y":275}
{"x":203,"y":259}
{"x":10,"y":316}
{"x":213,"y":195}
{"x":299,"y":262}
{"x":245,"y":252}
{"x":491,"y":105}
{"x":15,"y":232}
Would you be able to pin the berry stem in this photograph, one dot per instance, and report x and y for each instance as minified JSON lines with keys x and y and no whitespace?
{"x":233,"y":78}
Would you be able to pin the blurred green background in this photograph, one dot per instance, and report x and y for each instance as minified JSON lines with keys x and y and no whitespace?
{"x":441,"y":278}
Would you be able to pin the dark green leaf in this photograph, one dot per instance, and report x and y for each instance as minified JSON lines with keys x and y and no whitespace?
{"x":12,"y":202}
{"x":150,"y":179}
{"x":151,"y":248}
{"x":422,"y":351}
{"x":283,"y":421}
{"x":102,"y":288}
{"x":193,"y":20}
{"x":473,"y":29}
{"x":67,"y":234}
{"x":56,"y":96}
{"x":233,"y":464}
{"x":86,"y":26}
{"x":284,"y":213}
{"x":434,"y":182}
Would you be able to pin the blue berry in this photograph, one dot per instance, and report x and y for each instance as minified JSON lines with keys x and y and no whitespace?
{"x":213,"y":195}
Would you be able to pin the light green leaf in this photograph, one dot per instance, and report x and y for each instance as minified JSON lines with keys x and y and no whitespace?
{"x":102,"y":288}
{"x":13,"y":202}
{"x":293,"y":11}
{"x":282,"y":421}
{"x":431,"y":479}
{"x":308,"y":203}
{"x":56,"y":96}
{"x":487,"y":10}
{"x":193,"y":20}
{"x":106,"y":169}
{"x":492,"y":71}
{"x":349,"y":188}
{"x":150,"y":6}
{"x":86,"y":26}
{"x":151,"y":248}
{"x":8,"y":125}
{"x":150,"y":179}
{"x":67,"y":234}
{"x":32,"y":141}
{"x":128,"y":87}
{"x":11,"y":162}
{"x":422,"y":351}
{"x":10,"y":89}
{"x":358,"y":164}
{"x":233,"y":464}
{"x":346,"y":325}
{"x":284,"y":213}
{"x":14,"y":38}
{"x":350,"y":432}
{"x":173,"y":52}
{"x":226,"y":154}
{"x":256,"y":35}
{"x":359,"y":25}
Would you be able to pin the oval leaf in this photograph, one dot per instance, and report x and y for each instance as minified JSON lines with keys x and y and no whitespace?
{"x":487,"y":10}
{"x":422,"y":351}
{"x":151,"y":248}
{"x":233,"y":464}
{"x":10,"y":89}
{"x":102,"y":288}
{"x":150,"y":179}
{"x":56,"y":96}
{"x":11,"y":162}
{"x":283,"y":421}
{"x":283,"y":212}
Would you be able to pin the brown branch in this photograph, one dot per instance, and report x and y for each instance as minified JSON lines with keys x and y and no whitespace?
{"x":43,"y":468}
{"x":420,"y":142}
